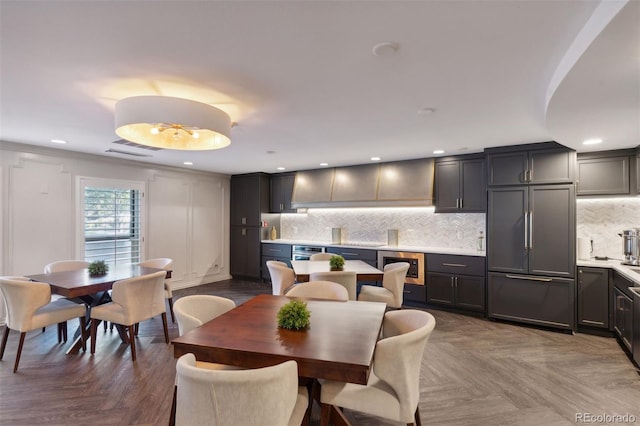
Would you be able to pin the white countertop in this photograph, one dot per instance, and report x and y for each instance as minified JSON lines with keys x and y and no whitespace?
{"x":372,"y":246}
{"x":616,"y":266}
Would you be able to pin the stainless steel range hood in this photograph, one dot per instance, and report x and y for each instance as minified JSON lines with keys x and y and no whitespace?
{"x":400,"y":183}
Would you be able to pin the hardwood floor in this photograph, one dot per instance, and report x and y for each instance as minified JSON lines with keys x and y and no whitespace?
{"x":474,"y":372}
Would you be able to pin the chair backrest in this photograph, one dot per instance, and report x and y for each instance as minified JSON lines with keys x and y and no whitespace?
{"x":282,"y":277}
{"x":263,"y":396}
{"x":398,"y":354}
{"x":159,"y":263}
{"x":319,"y":290}
{"x":345,"y":278}
{"x":393,"y":280}
{"x":193,"y":311}
{"x":140,"y":297}
{"x":22,"y":298}
{"x":65,"y":265}
{"x":321,"y":256}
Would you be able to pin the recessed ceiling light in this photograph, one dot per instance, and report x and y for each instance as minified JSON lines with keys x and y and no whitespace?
{"x":426,"y":111}
{"x":385,"y":48}
{"x":375,"y":158}
{"x":188,"y":163}
{"x":281,"y":168}
{"x":439,"y":151}
{"x":594,"y":141}
{"x":60,"y":141}
{"x":324,"y":164}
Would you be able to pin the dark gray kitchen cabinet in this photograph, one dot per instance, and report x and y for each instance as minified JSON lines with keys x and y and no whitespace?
{"x":540,"y":165}
{"x":623,"y":310}
{"x":456,"y":281}
{"x":637,"y":173}
{"x":546,"y":301}
{"x":460,"y":185}
{"x":593,"y":297}
{"x":274,"y":251}
{"x":244,"y":259}
{"x":604,"y":173}
{"x":366,"y":255}
{"x":531,"y":230}
{"x":249,"y":198}
{"x":281,"y":191}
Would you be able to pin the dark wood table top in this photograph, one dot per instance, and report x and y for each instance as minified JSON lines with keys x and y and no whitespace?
{"x":339,"y":344}
{"x":79,"y":283}
{"x":364,"y":271}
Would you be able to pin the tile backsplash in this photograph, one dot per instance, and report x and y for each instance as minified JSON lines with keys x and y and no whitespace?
{"x":603,"y":219}
{"x":417,"y":226}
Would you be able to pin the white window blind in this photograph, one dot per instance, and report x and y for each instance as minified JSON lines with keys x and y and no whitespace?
{"x":112,"y":224}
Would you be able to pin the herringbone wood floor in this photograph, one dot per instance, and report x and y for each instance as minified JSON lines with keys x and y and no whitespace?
{"x":474,"y":372}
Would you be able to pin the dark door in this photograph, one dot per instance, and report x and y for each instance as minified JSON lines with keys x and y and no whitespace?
{"x":507,"y":247}
{"x":507,"y":168}
{"x":469,"y":292}
{"x":593,"y":297}
{"x":472,"y":187}
{"x":551,"y":166}
{"x":447,"y":186}
{"x":440,"y":288}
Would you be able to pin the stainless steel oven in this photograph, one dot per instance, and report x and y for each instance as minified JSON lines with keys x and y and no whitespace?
{"x":415,"y":274}
{"x":304,"y":252}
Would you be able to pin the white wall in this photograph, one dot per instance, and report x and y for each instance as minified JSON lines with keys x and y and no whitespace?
{"x":187,"y":212}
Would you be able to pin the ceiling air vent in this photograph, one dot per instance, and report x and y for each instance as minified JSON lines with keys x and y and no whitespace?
{"x":136,"y":145}
{"x":134,"y":154}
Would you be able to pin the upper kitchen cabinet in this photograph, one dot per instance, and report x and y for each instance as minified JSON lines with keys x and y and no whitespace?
{"x":460,"y":184}
{"x":605,"y":173}
{"x":312,"y":187}
{"x":406,"y":180}
{"x":281,"y":191}
{"x":249,"y":198}
{"x":355,"y":183}
{"x":544,"y":163}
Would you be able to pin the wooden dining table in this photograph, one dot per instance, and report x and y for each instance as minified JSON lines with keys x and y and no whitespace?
{"x":91,"y":290}
{"x":364,"y":271}
{"x":338,"y":345}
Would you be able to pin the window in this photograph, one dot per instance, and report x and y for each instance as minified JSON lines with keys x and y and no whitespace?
{"x":111,"y":221}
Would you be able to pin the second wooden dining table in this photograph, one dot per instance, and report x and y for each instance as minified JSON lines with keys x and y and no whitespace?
{"x":364,"y":271}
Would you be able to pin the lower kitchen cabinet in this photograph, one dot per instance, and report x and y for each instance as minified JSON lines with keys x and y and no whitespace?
{"x":623,"y":310}
{"x":546,"y":301}
{"x":593,"y":297}
{"x":272,"y":251}
{"x":456,"y":281}
{"x":414,"y":293}
{"x":244,"y":259}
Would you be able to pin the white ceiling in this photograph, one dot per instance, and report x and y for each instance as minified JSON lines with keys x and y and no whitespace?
{"x":300,"y":78}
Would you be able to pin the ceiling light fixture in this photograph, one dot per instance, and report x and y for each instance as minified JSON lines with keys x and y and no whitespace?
{"x":592,"y":141}
{"x":385,"y":48}
{"x":324,"y":164}
{"x":60,"y":141}
{"x":172,"y":123}
{"x":188,"y":163}
{"x":438,"y":151}
{"x":375,"y":158}
{"x":281,"y":168}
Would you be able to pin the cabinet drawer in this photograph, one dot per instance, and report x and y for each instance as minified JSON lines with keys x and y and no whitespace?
{"x":455,"y":264}
{"x":355,"y":254}
{"x":276,"y":250}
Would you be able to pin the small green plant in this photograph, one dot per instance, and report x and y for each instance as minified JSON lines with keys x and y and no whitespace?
{"x":99,"y":267}
{"x":336,"y":263}
{"x":294,"y":315}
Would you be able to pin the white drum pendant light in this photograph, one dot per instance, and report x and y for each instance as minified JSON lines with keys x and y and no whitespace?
{"x":172,"y":123}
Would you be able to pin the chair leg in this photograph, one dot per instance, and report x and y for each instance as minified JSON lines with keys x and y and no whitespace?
{"x":22,"y":335}
{"x":43,"y":329}
{"x":325,"y":414}
{"x":4,"y":341}
{"x":83,"y":333}
{"x":417,"y":417}
{"x":94,"y":331}
{"x":59,"y":332}
{"x":132,"y":341}
{"x":164,"y":325}
{"x":173,"y":317}
{"x":136,"y":328}
{"x":105,"y":325}
{"x":63,"y":327}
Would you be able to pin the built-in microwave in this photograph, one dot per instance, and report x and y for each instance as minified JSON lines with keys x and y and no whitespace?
{"x":304,"y":252}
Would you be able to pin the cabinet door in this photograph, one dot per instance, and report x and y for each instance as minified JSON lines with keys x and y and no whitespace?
{"x":593,"y":297}
{"x":238,"y":201}
{"x":506,"y":245}
{"x":281,"y":191}
{"x":245,"y":251}
{"x":447,"y":183}
{"x":623,"y":318}
{"x":507,"y":168}
{"x":473,"y":191}
{"x":249,"y":198}
{"x":469,"y":292}
{"x":551,"y":166}
{"x":440,"y":288}
{"x":603,"y":176}
{"x":551,"y":230}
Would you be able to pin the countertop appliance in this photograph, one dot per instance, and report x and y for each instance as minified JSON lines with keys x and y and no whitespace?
{"x":415,"y":274}
{"x":300,"y":252}
{"x":631,"y":246}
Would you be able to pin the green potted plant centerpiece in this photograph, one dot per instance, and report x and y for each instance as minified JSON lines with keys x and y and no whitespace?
{"x":294,"y":315}
{"x":336,"y":262}
{"x":99,"y":267}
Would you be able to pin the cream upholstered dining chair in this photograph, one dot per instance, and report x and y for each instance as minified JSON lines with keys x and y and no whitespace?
{"x":166,"y":264}
{"x":29,"y":306}
{"x":133,"y":300}
{"x":345,"y":278}
{"x":282,"y":277}
{"x":319,"y":290}
{"x":263,"y":396}
{"x":392,"y":290}
{"x":393,"y":389}
{"x":193,"y":311}
{"x":65,"y":265}
{"x":320,"y":256}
